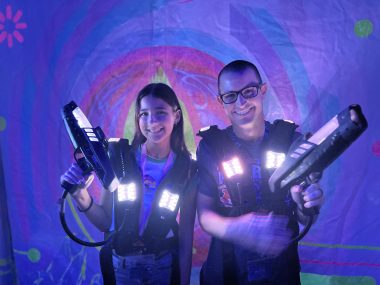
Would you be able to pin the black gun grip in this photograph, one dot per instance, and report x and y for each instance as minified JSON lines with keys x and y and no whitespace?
{"x":71,"y":188}
{"x":80,"y":158}
{"x":311,"y":178}
{"x":313,"y":211}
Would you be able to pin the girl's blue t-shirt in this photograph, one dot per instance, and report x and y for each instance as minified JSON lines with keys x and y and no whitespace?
{"x":153,"y":173}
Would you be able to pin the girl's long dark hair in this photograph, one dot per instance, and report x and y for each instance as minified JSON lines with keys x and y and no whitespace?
{"x":165,"y":93}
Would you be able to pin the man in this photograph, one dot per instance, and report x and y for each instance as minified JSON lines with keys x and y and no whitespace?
{"x":251,"y":227}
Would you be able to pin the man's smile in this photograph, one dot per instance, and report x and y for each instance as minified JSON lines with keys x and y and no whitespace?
{"x":243,"y":112}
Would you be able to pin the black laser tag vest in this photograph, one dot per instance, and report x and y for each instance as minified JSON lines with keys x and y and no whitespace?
{"x":127,"y":213}
{"x":222,"y":265}
{"x":239,"y":192}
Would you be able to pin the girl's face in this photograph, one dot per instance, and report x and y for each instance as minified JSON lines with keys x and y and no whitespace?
{"x":157,"y":119}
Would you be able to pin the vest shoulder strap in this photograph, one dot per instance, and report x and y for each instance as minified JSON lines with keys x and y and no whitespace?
{"x":126,"y":214}
{"x":211,"y":133}
{"x":281,"y":135}
{"x":118,"y":151}
{"x":217,"y":140}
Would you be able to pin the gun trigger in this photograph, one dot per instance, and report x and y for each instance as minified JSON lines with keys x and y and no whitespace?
{"x":304,"y":184}
{"x":314,"y":177}
{"x":78,"y":154}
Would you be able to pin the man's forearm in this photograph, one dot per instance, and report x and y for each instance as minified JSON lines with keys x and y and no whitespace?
{"x":214,"y":224}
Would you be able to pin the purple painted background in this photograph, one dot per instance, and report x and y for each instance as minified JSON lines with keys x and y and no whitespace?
{"x":317,"y":58}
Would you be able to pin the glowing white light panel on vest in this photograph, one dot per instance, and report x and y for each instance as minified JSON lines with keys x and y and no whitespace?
{"x":168,"y":200}
{"x":232,"y":167}
{"x":126,"y":192}
{"x":274,"y":159}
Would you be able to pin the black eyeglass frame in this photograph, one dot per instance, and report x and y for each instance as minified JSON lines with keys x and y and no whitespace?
{"x":240,"y":92}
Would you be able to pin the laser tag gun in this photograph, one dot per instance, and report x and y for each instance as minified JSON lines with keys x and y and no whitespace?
{"x":91,"y":147}
{"x":316,"y":153}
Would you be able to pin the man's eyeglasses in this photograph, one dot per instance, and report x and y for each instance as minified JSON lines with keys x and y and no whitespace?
{"x":247,"y":93}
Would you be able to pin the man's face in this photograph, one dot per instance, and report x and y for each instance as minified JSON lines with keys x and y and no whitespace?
{"x":243,"y":112}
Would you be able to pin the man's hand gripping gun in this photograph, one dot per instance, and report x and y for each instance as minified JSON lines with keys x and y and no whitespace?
{"x":314,"y":154}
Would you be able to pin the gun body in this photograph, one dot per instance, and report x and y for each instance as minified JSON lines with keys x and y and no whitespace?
{"x":90,"y":145}
{"x":320,"y":150}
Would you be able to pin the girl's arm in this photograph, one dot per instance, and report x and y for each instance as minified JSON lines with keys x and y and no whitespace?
{"x":100,"y":214}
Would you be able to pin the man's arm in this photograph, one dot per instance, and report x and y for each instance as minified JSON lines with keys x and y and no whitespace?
{"x":209,"y":220}
{"x":266,"y":234}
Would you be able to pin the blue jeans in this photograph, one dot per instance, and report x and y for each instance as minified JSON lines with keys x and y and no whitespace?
{"x":143,"y":269}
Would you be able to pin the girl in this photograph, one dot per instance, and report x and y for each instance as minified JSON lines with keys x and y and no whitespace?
{"x":158,"y":179}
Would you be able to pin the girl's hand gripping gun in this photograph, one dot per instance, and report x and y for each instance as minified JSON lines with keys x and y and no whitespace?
{"x":91,"y":147}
